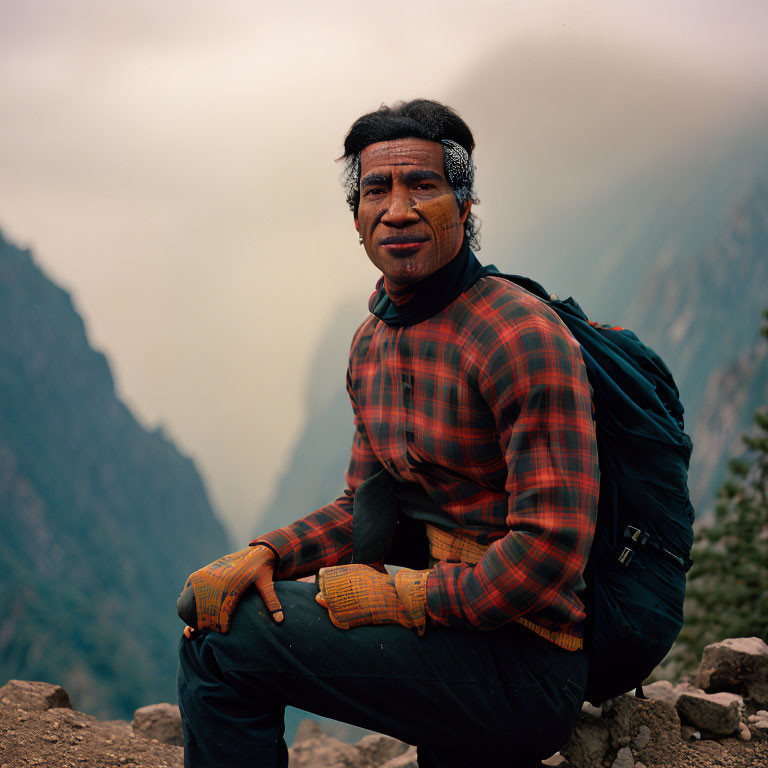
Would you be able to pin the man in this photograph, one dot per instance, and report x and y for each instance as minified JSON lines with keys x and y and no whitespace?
{"x":474,"y":438}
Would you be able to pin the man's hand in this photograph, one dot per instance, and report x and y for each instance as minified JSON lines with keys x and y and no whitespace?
{"x":356,"y":595}
{"x":210,"y":596}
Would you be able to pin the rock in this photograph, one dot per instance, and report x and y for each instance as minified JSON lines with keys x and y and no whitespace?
{"x":738,"y":665}
{"x":630,"y":727}
{"x":662,"y":690}
{"x":718,"y":713}
{"x":624,"y":759}
{"x":62,"y":737}
{"x":689,"y":733}
{"x":34,"y":696}
{"x":323,"y":750}
{"x":591,"y":710}
{"x":378,"y":748}
{"x":159,"y":721}
{"x":598,"y":742}
{"x":313,"y":747}
{"x":589,"y":743}
{"x":642,"y":738}
{"x":406,"y":760}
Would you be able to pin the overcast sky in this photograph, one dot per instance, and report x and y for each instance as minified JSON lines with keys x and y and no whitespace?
{"x":171,"y":164}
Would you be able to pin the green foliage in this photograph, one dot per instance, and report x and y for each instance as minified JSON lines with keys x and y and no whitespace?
{"x":728,"y":584}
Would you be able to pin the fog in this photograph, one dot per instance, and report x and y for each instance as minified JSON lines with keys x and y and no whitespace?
{"x":172,"y":166}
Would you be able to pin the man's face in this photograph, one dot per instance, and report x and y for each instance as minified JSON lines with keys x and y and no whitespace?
{"x":408,"y":215}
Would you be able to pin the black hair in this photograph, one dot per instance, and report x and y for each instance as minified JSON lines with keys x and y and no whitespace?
{"x":418,"y":119}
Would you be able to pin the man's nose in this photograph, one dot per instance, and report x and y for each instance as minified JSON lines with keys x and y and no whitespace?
{"x":401,"y":210}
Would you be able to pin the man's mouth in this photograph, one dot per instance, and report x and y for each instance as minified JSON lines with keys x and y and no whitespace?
{"x":401,"y":244}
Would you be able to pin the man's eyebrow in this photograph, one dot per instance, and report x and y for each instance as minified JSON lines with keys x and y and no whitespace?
{"x":414,"y":177}
{"x":375,"y":179}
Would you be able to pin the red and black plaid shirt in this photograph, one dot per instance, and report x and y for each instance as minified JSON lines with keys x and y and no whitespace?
{"x":487,"y":405}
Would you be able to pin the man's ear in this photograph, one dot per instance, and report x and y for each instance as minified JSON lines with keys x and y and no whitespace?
{"x":464,"y":211}
{"x":357,"y":224}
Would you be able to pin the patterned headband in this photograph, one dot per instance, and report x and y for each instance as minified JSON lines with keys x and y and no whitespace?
{"x":459,"y":169}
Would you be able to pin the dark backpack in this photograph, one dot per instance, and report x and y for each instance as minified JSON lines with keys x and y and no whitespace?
{"x":635,"y":573}
{"x":641,"y":552}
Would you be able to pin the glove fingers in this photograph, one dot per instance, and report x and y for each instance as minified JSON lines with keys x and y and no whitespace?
{"x":411,"y":588}
{"x":338,"y":623}
{"x":218,"y":588}
{"x":266,"y":588}
{"x":357,"y":595}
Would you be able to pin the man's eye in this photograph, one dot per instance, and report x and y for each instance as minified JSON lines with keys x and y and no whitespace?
{"x":373,"y":191}
{"x":424,"y":185}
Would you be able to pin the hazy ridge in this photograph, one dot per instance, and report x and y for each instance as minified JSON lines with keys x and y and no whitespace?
{"x":101,"y":519}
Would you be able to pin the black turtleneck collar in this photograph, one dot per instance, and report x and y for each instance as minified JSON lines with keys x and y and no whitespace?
{"x":429,"y":296}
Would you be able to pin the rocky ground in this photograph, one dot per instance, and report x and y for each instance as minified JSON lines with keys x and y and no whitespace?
{"x":721,"y":720}
{"x":39,"y":727}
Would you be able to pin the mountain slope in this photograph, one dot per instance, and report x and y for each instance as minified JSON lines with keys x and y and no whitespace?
{"x":102,"y":520}
{"x":732,"y":395}
{"x":701,"y":311}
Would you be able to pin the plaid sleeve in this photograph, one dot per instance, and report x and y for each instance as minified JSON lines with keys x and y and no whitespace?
{"x":535,"y":384}
{"x":324,"y":538}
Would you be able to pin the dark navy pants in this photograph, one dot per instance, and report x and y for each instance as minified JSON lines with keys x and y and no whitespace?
{"x":466,"y":697}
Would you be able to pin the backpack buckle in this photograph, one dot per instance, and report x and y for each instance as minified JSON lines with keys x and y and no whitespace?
{"x":636,"y":535}
{"x":625,"y":558}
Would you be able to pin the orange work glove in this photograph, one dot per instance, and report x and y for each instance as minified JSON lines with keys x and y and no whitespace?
{"x":356,"y":595}
{"x":210,"y":596}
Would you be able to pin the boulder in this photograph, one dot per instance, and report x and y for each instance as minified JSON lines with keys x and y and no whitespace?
{"x":689,"y":733}
{"x":642,"y":737}
{"x":589,"y":744}
{"x":738,"y":665}
{"x":34,"y":696}
{"x":323,"y":750}
{"x":406,"y":760}
{"x":159,"y":721}
{"x":555,"y":761}
{"x":33,"y":733}
{"x":759,"y":729}
{"x":313,"y":747}
{"x":662,"y":690}
{"x":624,"y":759}
{"x":640,"y":729}
{"x":718,"y":713}
{"x":379,"y":749}
{"x":591,"y":710}
{"x":647,"y":732}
